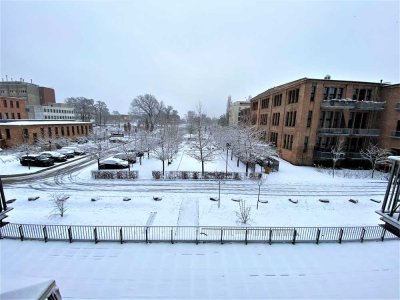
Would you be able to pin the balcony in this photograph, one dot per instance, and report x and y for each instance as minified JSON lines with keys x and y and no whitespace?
{"x":327,"y":155}
{"x":395,"y":134}
{"x":352,"y":104}
{"x":348,"y":132}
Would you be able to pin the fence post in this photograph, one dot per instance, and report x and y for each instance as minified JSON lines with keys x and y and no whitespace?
{"x":95,"y":235}
{"x":318,"y":235}
{"x":222,"y":232}
{"x":362,"y":235}
{"x":340,"y":235}
{"x":172,"y":236}
{"x":294,"y":237}
{"x":245,"y":238}
{"x":383,"y":234}
{"x":21,"y":232}
{"x":70,"y":234}
{"x":270,"y":236}
{"x":120,"y":235}
{"x":147,"y":236}
{"x":45,"y":234}
{"x":197,"y":235}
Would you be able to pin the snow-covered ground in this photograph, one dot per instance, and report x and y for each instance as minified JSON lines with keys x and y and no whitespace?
{"x":205,"y":271}
{"x":187,"y":202}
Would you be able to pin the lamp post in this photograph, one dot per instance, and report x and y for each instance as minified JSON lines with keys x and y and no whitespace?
{"x":226,"y":162}
{"x":107,"y":136}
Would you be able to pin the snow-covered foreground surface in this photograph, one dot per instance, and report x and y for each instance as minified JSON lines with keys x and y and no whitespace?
{"x":188,"y":202}
{"x":206,"y":271}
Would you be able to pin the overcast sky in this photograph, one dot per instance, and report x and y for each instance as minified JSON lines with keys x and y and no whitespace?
{"x":184,"y":52}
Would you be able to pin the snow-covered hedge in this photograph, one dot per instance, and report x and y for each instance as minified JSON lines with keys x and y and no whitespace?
{"x":113,"y":174}
{"x":207,"y":175}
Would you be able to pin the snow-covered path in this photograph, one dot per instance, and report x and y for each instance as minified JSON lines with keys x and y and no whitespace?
{"x":188,"y":212}
{"x":205,"y":271}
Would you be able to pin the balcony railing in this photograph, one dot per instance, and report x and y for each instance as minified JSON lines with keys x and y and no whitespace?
{"x":348,"y":131}
{"x":326,"y":155}
{"x":395,"y":134}
{"x":352,"y":104}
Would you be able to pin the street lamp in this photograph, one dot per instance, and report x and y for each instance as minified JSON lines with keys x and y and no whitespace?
{"x":226,"y":162}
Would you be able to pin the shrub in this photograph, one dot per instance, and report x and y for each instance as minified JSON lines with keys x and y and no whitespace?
{"x":185,"y":175}
{"x":156,"y":174}
{"x":195,"y":175}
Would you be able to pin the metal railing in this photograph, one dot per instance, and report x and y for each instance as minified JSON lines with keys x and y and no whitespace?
{"x":352,"y":104}
{"x":194,"y":234}
{"x":320,"y":154}
{"x":349,"y":131}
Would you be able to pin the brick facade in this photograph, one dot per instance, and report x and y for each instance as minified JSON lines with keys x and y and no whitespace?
{"x":12,"y":108}
{"x":29,"y":132}
{"x":307,"y":117}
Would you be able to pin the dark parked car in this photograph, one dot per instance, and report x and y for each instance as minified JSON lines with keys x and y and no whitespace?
{"x":36,"y":160}
{"x":113,"y":163}
{"x":57,"y":157}
{"x":77,"y":151}
{"x":67,"y":152}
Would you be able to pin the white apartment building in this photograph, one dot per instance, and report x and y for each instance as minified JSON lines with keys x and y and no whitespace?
{"x":55,"y":111}
{"x":234,"y":110}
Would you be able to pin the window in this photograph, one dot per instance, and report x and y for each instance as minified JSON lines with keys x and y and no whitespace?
{"x":35,"y":138}
{"x":274,"y":138}
{"x":56,"y":130}
{"x":7,"y":116}
{"x":73,"y":130}
{"x":275,"y":119}
{"x":67,"y":131}
{"x":313,"y":90}
{"x":1,"y":116}
{"x":264,"y":119}
{"x":12,"y":116}
{"x":5,"y":103}
{"x":19,"y":115}
{"x":77,"y":129}
{"x":288,"y":141}
{"x":362,"y":94}
{"x":290,"y":118}
{"x":42,"y":133}
{"x":305,"y":144}
{"x":339,"y":93}
{"x":309,"y":118}
{"x":265,"y":103}
{"x":8,"y":134}
{"x":11,"y":104}
{"x":49,"y":132}
{"x":277,"y":100}
{"x":25,"y":135}
{"x":254,"y":105}
{"x":62,"y":131}
{"x":293,"y":96}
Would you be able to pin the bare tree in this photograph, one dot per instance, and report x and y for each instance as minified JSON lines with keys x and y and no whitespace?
{"x":59,"y":201}
{"x":101,"y":112}
{"x":244,"y":212}
{"x":167,"y":143}
{"x":375,"y":155}
{"x":337,"y":154}
{"x":84,"y":107}
{"x":147,"y":108}
{"x":203,"y":147}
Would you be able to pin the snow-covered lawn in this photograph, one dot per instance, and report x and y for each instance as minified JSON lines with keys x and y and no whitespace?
{"x":187,"y":202}
{"x":205,"y":271}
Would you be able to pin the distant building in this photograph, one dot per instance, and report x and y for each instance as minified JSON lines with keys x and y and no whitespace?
{"x":234,"y":110}
{"x":14,"y":133}
{"x":34,"y":94}
{"x":55,"y":111}
{"x":12,"y":108}
{"x":305,"y":118}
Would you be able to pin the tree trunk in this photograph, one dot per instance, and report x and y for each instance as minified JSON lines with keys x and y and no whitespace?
{"x":247,"y":168}
{"x":333,"y":169}
{"x":202,"y":167}
{"x":237,"y":164}
{"x":373,"y":170}
{"x":231,"y":155}
{"x":163,"y":167}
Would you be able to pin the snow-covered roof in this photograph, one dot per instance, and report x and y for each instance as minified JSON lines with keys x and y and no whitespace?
{"x":32,"y":123}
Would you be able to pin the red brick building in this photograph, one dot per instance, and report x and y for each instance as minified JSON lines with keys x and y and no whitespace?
{"x":29,"y":132}
{"x":12,"y":108}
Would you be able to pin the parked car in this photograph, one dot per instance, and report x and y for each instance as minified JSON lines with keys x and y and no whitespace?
{"x":137,"y":152}
{"x":77,"y":151}
{"x":113,"y":163}
{"x":67,"y":152}
{"x":57,"y":157}
{"x":36,"y":160}
{"x":129,"y":157}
